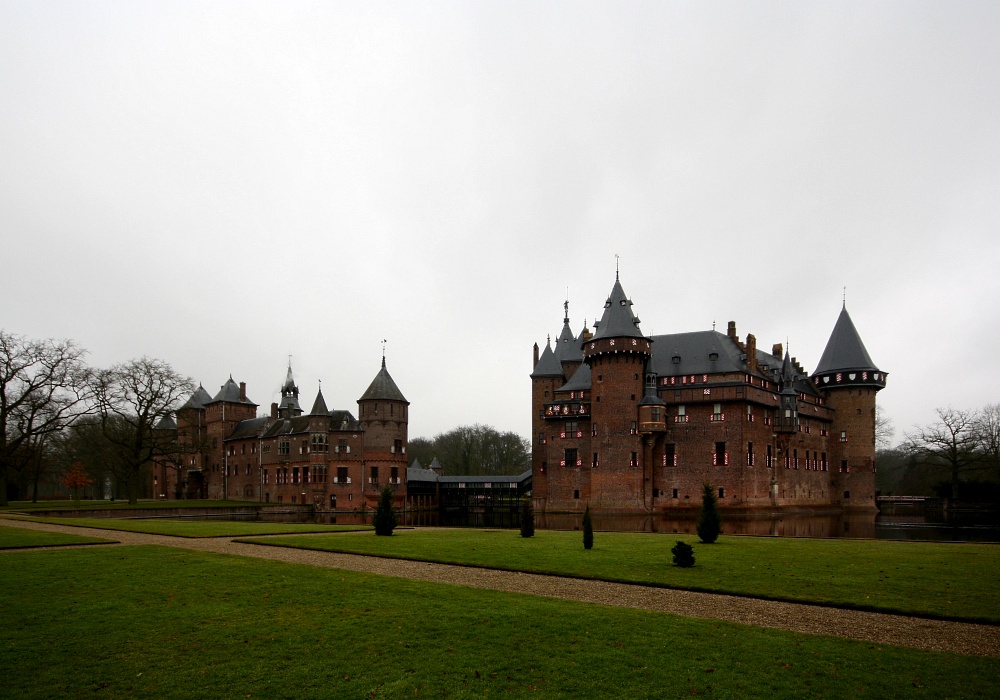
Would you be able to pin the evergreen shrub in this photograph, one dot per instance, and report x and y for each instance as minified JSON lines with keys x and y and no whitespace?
{"x":527,"y":519}
{"x":683,"y":554}
{"x":588,"y":530}
{"x":709,"y":524}
{"x":385,"y":519}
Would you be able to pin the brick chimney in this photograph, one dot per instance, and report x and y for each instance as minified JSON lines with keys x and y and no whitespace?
{"x":778,"y":350}
{"x":274,"y":411}
{"x":243,"y":391}
{"x":751,"y":352}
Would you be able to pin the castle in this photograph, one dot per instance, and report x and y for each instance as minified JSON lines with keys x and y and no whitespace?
{"x":627,"y":423}
{"x":325,"y":457}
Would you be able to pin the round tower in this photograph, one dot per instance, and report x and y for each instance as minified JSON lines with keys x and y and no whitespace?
{"x":850,"y":381}
{"x":617,"y":355}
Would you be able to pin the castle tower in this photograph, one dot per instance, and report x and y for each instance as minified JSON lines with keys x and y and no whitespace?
{"x":546,"y":376}
{"x":222,"y":414}
{"x":617,"y":355}
{"x":289,"y":406}
{"x":383,"y":416}
{"x":850,"y":380}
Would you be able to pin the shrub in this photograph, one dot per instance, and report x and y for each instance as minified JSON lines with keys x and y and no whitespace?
{"x":384,"y":519}
{"x":588,"y":530}
{"x":683,"y":554}
{"x":709,"y":524}
{"x":527,"y":519}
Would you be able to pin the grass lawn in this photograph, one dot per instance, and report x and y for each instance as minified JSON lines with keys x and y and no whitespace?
{"x":925,"y":578}
{"x":14,"y":538}
{"x":65,"y":504}
{"x":136,"y":622}
{"x":200,"y":528}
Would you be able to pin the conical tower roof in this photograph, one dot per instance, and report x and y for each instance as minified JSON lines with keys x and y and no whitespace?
{"x":548,"y":364}
{"x":383,"y":388}
{"x":231,"y":393}
{"x":290,"y":394}
{"x":319,"y":405}
{"x":198,"y":399}
{"x":618,"y":320}
{"x":844,"y":350}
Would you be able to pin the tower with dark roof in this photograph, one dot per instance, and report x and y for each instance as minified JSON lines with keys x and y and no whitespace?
{"x":850,"y":381}
{"x":383,"y":414}
{"x":289,"y":406}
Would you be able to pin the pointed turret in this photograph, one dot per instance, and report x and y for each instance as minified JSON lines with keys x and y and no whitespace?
{"x":845,"y":361}
{"x":383,"y":388}
{"x":567,"y":348}
{"x":548,"y":364}
{"x":198,"y":399}
{"x":319,"y":405}
{"x":787,"y":420}
{"x":618,"y":320}
{"x":289,"y":406}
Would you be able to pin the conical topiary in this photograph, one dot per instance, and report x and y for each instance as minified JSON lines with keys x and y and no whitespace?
{"x":709,"y":523}
{"x":588,"y":530}
{"x":527,"y":519}
{"x":384,"y":519}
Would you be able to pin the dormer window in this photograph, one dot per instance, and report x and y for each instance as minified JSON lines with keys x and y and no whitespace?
{"x":676,"y":359}
{"x":713,"y":356}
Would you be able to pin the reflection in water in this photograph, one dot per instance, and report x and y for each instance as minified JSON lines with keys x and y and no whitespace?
{"x":953,"y":527}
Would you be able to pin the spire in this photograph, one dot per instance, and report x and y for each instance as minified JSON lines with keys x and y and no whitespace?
{"x":618,"y":320}
{"x":319,"y":405}
{"x":548,"y":364}
{"x":289,"y":406}
{"x":566,"y":346}
{"x":383,"y":387}
{"x":845,"y":350}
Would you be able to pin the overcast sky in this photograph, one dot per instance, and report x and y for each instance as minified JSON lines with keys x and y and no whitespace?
{"x":223,"y":184}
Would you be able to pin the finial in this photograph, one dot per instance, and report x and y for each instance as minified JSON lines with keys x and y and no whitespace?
{"x":845,"y":296}
{"x":713,"y":324}
{"x":566,"y":307}
{"x":616,"y":267}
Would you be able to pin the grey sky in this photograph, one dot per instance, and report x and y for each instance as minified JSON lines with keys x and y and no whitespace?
{"x":222,"y":184}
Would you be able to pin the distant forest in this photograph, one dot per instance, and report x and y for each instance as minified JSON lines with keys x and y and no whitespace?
{"x":473,"y":449}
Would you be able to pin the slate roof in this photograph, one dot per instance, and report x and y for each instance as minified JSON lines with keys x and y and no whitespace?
{"x":548,"y":364}
{"x":383,"y":388}
{"x":844,"y":350}
{"x":418,"y":473}
{"x":166,"y":423}
{"x":251,"y":427}
{"x":568,"y":348}
{"x":696,"y":352}
{"x":198,"y":399}
{"x":618,"y":320}
{"x":580,"y":381}
{"x":230,"y":393}
{"x":319,"y":405}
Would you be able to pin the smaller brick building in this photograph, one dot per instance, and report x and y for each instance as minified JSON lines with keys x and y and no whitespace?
{"x":325,"y":457}
{"x":627,"y":423}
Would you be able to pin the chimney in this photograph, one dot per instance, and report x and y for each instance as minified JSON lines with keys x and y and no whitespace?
{"x":731,"y":332}
{"x":274,"y":411}
{"x":243,"y":391}
{"x":751,"y":352}
{"x":535,"y":362}
{"x":777,"y":350}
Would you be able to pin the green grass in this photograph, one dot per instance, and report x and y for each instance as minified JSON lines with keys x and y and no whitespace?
{"x":200,"y":528}
{"x":28,"y":506}
{"x":14,"y":538}
{"x":923,"y":578}
{"x":137,"y":622}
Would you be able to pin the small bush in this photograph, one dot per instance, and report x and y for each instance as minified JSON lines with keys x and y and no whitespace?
{"x":709,"y":525}
{"x":588,"y":530}
{"x":527,"y":519}
{"x":683,"y":554}
{"x":384,"y":519}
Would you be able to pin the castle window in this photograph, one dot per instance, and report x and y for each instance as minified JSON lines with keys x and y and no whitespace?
{"x":749,"y":454}
{"x":847,"y":495}
{"x":265,"y":476}
{"x":373,"y":476}
{"x":844,"y":466}
{"x":633,"y":429}
{"x":824,"y":462}
{"x":713,"y":356}
{"x":843,"y":436}
{"x":681,"y":416}
{"x":306,"y":475}
{"x":720,"y":457}
{"x":655,"y":414}
{"x":342,"y":477}
{"x":593,"y":429}
{"x":795,"y":458}
{"x":634,"y":461}
{"x":595,"y":463}
{"x":675,"y":493}
{"x":295,"y":475}
{"x":676,"y":359}
{"x":570,"y":458}
{"x":670,"y":455}
{"x":769,"y":458}
{"x":717,"y":414}
{"x":283,"y":447}
{"x":749,"y":413}
{"x":576,"y":494}
{"x":722,"y":492}
{"x":572,"y":427}
{"x":393,"y":475}
{"x":397,"y":447}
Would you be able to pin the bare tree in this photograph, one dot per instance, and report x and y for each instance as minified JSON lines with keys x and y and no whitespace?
{"x":132,"y":398}
{"x":884,"y":429}
{"x":988,"y":437}
{"x":949,"y":443}
{"x":43,"y":387}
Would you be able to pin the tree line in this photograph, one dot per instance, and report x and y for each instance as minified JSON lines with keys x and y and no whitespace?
{"x":473,"y":449}
{"x":955,"y":456}
{"x":59,"y":414}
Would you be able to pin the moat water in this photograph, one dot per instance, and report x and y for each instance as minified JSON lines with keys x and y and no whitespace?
{"x":954,"y":527}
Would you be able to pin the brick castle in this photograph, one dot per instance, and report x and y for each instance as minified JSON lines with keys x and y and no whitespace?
{"x":324,"y":457}
{"x":627,"y":423}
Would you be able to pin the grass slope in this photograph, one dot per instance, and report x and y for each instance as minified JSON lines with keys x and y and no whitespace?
{"x":924,"y":578}
{"x":138,"y":622}
{"x":15,"y":538}
{"x":200,"y":528}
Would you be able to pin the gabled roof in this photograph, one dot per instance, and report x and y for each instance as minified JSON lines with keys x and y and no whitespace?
{"x":230,"y":393}
{"x":198,"y":399}
{"x":166,"y":423}
{"x":383,"y":388}
{"x":548,"y":364}
{"x":252,"y":427}
{"x":618,"y":320}
{"x":343,"y":420}
{"x":696,"y":352}
{"x":319,"y":405}
{"x":844,"y":350}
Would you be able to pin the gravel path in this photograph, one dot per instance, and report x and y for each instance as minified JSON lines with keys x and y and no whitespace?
{"x":878,"y":628}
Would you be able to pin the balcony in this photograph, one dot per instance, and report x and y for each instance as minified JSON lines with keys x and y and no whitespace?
{"x":566,"y":410}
